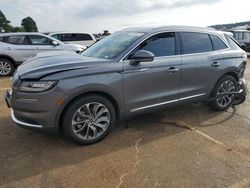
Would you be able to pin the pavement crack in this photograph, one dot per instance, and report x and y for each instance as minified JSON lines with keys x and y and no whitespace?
{"x":137,"y":152}
{"x":121,"y":180}
{"x":135,"y":164}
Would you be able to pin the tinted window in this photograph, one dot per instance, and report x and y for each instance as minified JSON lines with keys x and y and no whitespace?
{"x":69,"y":37}
{"x":57,"y":36}
{"x":17,"y":39}
{"x":218,"y":43}
{"x":238,"y":35}
{"x":84,"y":37}
{"x":160,"y":45}
{"x":247,"y":35}
{"x":196,"y":43}
{"x":233,"y":44}
{"x":39,"y":40}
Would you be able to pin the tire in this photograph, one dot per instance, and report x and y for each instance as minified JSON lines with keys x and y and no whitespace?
{"x":241,"y":98}
{"x":84,"y":126}
{"x":6,"y":67}
{"x":217,"y":104}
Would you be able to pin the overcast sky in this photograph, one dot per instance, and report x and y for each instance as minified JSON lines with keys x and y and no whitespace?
{"x":97,"y":15}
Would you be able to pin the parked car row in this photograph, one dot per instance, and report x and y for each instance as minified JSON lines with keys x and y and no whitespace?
{"x":16,"y":48}
{"x":129,"y":72}
{"x":243,"y":37}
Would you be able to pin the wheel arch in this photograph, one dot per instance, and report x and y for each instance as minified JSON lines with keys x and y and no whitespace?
{"x":76,"y":97}
{"x":229,"y":73}
{"x":9,"y":58}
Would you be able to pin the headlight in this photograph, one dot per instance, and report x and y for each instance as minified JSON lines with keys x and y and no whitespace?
{"x":37,"y":86}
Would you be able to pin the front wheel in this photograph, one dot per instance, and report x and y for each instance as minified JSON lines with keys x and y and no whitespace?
{"x":225,"y":85}
{"x":6,"y":67}
{"x":89,"y":119}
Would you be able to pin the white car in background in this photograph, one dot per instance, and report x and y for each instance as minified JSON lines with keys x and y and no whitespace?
{"x":74,"y":38}
{"x":15,"y":48}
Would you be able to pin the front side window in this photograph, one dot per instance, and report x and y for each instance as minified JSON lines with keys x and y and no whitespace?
{"x":17,"y":39}
{"x":113,"y":45}
{"x":196,"y":43}
{"x":39,"y":40}
{"x":162,"y":44}
{"x":218,"y":43}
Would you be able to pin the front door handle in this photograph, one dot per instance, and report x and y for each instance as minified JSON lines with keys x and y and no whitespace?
{"x":215,"y":64}
{"x":8,"y":48}
{"x":172,"y":70}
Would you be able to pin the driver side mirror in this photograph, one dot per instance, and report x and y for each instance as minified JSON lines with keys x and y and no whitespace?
{"x":142,"y":56}
{"x":55,"y":43}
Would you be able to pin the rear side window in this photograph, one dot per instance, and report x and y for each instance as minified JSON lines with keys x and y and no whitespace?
{"x":17,"y":39}
{"x":84,"y":37}
{"x":160,"y":45}
{"x":69,"y":37}
{"x":218,"y":43}
{"x":196,"y":43}
{"x":233,"y":44}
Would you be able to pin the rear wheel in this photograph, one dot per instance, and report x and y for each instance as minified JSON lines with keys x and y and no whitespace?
{"x":89,"y":119}
{"x":6,"y":67}
{"x":225,"y":85}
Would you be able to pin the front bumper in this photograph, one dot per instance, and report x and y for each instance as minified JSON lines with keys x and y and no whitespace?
{"x":35,"y":110}
{"x":8,"y":97}
{"x":21,"y":123}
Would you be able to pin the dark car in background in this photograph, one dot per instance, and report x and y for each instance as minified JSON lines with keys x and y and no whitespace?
{"x":243,"y":37}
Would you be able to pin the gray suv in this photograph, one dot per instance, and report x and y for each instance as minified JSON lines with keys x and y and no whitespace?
{"x":16,"y":48}
{"x":129,"y":72}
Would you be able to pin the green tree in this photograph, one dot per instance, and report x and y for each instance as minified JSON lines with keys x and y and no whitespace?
{"x":4,"y":23}
{"x":29,"y":25}
{"x":17,"y":29}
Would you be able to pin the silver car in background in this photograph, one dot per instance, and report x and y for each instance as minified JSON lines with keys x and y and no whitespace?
{"x":16,"y":48}
{"x":85,"y":39}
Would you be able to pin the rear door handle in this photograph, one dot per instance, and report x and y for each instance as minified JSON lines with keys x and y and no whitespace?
{"x":8,"y":48}
{"x":215,"y":64}
{"x":172,"y":70}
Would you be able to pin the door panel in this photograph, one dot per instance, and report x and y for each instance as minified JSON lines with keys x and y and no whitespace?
{"x":198,"y":74}
{"x":201,"y":66}
{"x":151,"y":83}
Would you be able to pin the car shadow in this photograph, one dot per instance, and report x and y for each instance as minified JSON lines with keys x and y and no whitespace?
{"x":26,"y":153}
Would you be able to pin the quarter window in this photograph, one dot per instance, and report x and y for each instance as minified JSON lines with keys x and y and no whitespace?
{"x":160,"y":45}
{"x":218,"y":43}
{"x":196,"y":43}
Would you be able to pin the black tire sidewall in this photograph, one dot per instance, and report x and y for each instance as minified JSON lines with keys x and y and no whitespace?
{"x":11,"y":66}
{"x":74,"y":106}
{"x":214,"y":104}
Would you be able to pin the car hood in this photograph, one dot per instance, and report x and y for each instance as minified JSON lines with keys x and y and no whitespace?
{"x":75,"y":46}
{"x":52,"y":62}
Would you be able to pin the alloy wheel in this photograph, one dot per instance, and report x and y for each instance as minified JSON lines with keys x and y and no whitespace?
{"x":226,"y":87}
{"x":90,"y":121}
{"x":5,"y":68}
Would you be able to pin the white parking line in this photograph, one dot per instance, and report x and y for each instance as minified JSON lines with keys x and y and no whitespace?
{"x":4,"y":89}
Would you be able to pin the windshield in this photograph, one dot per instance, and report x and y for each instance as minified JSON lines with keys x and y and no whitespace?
{"x":112,"y":46}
